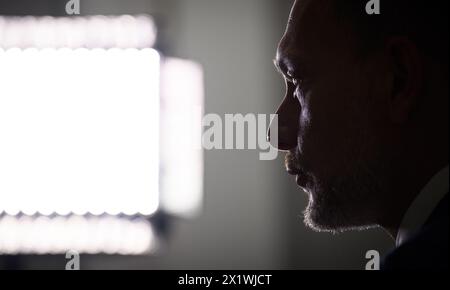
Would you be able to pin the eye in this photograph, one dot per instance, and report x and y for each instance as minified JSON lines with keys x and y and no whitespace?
{"x":299,"y":89}
{"x":295,"y":82}
{"x":292,"y":79}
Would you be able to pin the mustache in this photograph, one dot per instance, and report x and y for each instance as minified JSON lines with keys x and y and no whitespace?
{"x":292,"y":162}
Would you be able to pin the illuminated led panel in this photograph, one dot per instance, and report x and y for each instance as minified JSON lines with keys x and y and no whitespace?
{"x":182,"y":99}
{"x":91,"y":235}
{"x":79,"y":131}
{"x":98,"y":31}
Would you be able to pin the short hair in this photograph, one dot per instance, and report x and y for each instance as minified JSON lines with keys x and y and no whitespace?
{"x":425,"y":22}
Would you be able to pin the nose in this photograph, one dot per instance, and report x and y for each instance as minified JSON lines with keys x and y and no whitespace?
{"x":288,"y":123}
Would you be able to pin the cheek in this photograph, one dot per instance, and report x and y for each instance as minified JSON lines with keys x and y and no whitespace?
{"x":326,"y":127}
{"x":321,"y":112}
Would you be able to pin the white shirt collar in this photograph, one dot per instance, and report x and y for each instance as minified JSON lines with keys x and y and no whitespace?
{"x":423,"y":206}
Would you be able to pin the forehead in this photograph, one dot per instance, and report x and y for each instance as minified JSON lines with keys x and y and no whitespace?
{"x":298,"y":10}
{"x":310,"y":26}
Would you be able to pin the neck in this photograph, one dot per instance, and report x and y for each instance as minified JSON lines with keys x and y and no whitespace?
{"x":408,"y":181}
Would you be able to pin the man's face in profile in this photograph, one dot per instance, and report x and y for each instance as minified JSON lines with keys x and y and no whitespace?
{"x":330,"y":119}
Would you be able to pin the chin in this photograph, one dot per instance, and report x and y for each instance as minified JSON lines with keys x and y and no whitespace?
{"x":324,"y":215}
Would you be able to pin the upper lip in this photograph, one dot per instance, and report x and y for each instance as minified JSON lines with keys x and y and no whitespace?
{"x":291,"y":167}
{"x":292,"y":171}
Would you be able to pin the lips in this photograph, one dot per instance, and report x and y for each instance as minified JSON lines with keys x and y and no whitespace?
{"x":300,"y":176}
{"x":301,"y":180}
{"x":293,"y":169}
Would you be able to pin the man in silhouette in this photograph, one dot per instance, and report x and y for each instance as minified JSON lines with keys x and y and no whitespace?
{"x":364,"y":121}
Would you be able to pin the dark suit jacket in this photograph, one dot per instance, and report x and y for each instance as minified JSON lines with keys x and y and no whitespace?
{"x":428,"y":249}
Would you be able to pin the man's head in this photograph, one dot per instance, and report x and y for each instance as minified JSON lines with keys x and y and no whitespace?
{"x":365,"y":96}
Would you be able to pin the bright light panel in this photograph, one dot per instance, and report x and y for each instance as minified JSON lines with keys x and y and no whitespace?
{"x":81,"y":143}
{"x":79,"y":131}
{"x":91,"y":235}
{"x":124,"y":31}
{"x":181,"y":123}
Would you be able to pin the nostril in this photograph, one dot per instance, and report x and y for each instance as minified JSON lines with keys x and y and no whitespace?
{"x":282,"y":138}
{"x":285,"y":147}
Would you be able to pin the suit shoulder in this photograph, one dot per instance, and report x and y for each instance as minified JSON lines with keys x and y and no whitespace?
{"x":428,"y":249}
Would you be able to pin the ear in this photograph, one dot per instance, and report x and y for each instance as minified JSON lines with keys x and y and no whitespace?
{"x":407,"y":78}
